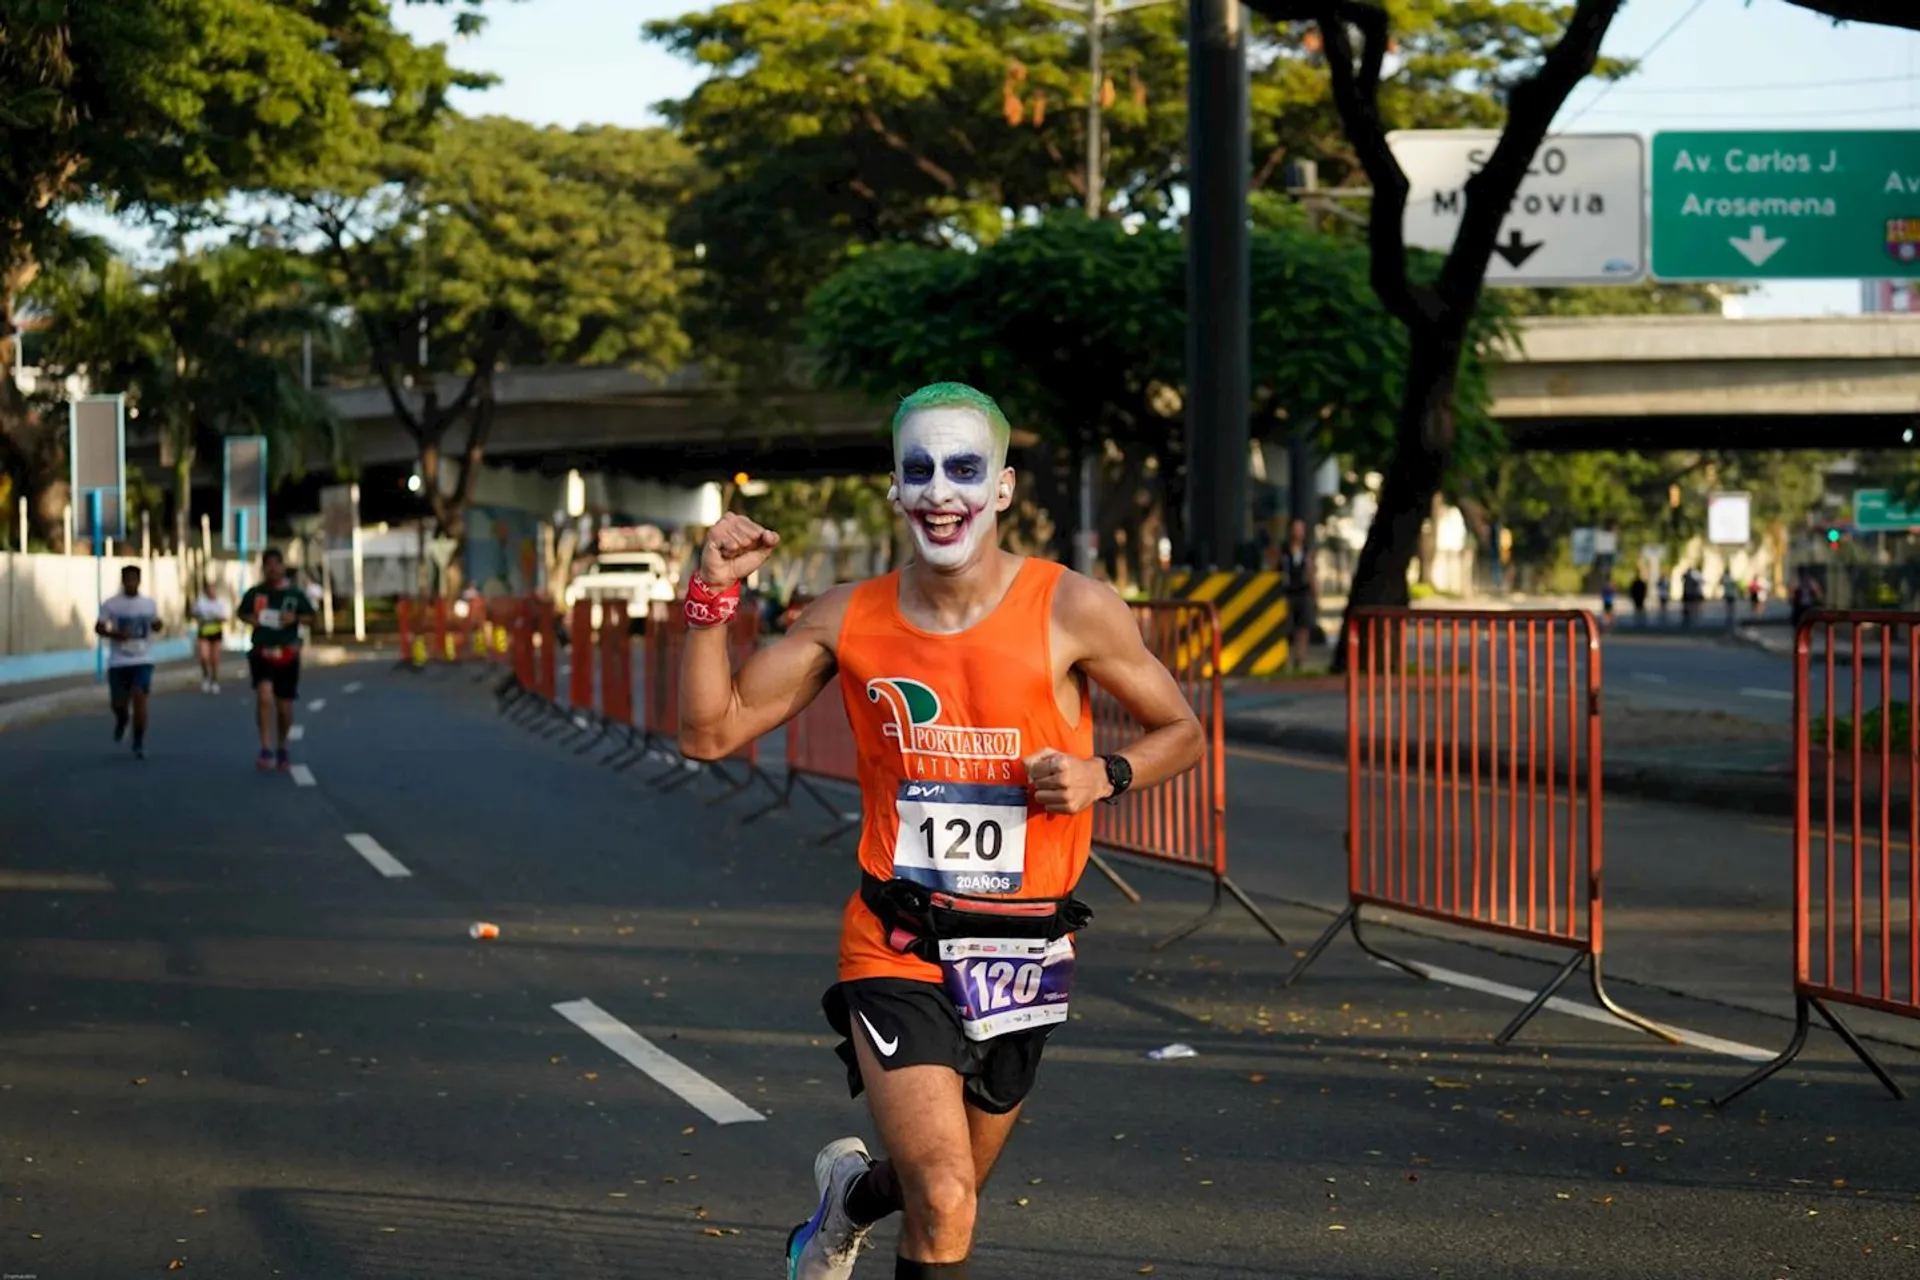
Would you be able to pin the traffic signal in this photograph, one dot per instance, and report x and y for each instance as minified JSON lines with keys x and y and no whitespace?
{"x":739,"y":478}
{"x":1833,"y":535}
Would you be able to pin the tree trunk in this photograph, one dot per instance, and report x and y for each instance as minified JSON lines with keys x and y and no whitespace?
{"x":1423,"y":441}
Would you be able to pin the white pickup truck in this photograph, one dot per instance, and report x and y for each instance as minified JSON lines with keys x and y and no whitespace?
{"x":636,"y":578}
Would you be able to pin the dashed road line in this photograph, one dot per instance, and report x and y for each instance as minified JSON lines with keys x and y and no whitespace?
{"x":318,"y":704}
{"x":703,"y":1094}
{"x":382,"y":861}
{"x":302,"y":776}
{"x":1520,"y":995}
{"x":352,"y":686}
{"x":296,"y":733}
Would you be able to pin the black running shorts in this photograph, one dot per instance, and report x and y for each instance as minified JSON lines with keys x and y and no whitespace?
{"x":917,"y":1020}
{"x":283,"y":676}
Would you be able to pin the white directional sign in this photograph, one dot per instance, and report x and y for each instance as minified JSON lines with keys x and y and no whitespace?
{"x":1578,"y":218}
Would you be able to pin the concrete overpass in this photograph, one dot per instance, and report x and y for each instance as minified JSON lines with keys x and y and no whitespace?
{"x":1610,"y":382}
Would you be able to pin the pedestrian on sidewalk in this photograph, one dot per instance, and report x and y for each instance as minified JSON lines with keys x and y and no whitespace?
{"x":1757,"y":595}
{"x":210,"y":614}
{"x":127,"y":620}
{"x":1606,"y":603}
{"x":1730,"y":593}
{"x":1666,"y":597}
{"x":1637,"y":592}
{"x":1693,"y":592}
{"x":1297,"y":580}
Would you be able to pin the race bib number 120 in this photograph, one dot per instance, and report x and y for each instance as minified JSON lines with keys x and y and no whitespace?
{"x":961,"y":837}
{"x":999,"y":985}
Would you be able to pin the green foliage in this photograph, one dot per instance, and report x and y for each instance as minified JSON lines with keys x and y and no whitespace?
{"x":517,"y":243}
{"x":800,"y":509}
{"x":943,"y":122}
{"x":206,"y":346}
{"x":1648,"y":299}
{"x":1895,"y":727}
{"x":1078,"y":328}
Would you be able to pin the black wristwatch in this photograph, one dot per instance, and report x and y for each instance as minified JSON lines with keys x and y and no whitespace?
{"x":1119,"y":776}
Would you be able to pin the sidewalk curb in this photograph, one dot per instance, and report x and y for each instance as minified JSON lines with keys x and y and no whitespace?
{"x":172,"y":679}
{"x":1745,"y":793}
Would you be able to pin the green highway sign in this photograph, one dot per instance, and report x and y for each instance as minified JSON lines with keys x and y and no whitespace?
{"x":1873,"y":513}
{"x":1786,"y":206}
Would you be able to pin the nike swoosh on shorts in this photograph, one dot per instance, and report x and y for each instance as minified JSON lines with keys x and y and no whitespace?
{"x":885,"y":1046}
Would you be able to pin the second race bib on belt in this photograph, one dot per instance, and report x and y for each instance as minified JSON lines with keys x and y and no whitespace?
{"x":961,"y":837}
{"x":999,"y":985}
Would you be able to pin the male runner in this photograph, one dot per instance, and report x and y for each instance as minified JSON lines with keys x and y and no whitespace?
{"x":127,"y":620}
{"x":965,"y":676}
{"x":275,"y":608}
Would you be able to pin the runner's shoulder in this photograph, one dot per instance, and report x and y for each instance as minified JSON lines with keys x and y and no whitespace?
{"x":820,"y":619}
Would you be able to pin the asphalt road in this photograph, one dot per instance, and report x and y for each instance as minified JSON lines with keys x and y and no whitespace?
{"x":236,"y":1044}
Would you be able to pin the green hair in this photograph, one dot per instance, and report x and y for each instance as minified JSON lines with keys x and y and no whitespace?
{"x":957,"y":395}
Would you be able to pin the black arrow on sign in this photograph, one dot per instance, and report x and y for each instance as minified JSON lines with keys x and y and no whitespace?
{"x":1516,"y":250}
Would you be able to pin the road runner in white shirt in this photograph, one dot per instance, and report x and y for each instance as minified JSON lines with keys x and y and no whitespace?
{"x":128,"y":621}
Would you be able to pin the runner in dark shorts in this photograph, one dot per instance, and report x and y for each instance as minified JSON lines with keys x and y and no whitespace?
{"x":275,"y":609}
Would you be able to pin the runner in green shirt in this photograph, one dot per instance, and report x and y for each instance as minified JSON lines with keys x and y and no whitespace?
{"x":275,"y":609}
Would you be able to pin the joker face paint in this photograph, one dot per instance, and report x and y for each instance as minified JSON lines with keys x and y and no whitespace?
{"x":947,"y":474}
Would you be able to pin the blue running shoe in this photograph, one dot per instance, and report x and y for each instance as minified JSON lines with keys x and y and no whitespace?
{"x":825,"y":1245}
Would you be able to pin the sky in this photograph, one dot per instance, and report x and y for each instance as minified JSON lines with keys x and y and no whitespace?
{"x":1707,"y":64}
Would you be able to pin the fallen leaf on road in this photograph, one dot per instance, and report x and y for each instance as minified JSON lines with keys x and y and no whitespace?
{"x":1336,"y":1227}
{"x":1257,"y":1077}
{"x":1447,"y":1084}
{"x":1668,"y":1102}
{"x":1660,"y":1129}
{"x":143,"y":1080}
{"x":1021,"y":1202}
{"x":178,"y":1264}
{"x":1147,"y":1270}
{"x":715,"y":1232}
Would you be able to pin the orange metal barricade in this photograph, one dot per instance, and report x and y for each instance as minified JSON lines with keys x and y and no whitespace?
{"x":1856,"y":828}
{"x":580,"y":665}
{"x":547,"y":646}
{"x":1473,"y":782}
{"x":820,"y":748}
{"x":616,"y":664}
{"x":666,"y":638}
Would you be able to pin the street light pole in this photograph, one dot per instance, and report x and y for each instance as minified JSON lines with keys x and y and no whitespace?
{"x":1096,"y":13}
{"x":1219,"y":308}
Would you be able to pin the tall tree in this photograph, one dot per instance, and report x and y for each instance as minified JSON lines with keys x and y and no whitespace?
{"x":207,"y":346}
{"x":1437,"y":314}
{"x":943,"y":122}
{"x":496,"y":242}
{"x":163,"y":104}
{"x":1077,"y":327}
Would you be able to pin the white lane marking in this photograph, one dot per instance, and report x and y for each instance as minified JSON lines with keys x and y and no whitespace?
{"x":318,"y":704}
{"x":302,"y":776}
{"x":703,"y":1094}
{"x":1651,"y":677}
{"x":1779,"y":695}
{"x":296,"y":733}
{"x":352,"y":686}
{"x":1698,"y":1039}
{"x":383,"y":862}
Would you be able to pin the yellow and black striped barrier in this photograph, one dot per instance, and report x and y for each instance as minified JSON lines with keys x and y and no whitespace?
{"x":1255,"y":635}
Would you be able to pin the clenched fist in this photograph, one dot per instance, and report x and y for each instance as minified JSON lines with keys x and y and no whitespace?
{"x":734,"y":549}
{"x":1065,"y":784}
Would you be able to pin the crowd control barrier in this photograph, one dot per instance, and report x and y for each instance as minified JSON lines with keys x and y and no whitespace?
{"x":1183,"y":821}
{"x":1473,"y":784}
{"x":1856,"y":828}
{"x":660,"y":698}
{"x":820,"y":748}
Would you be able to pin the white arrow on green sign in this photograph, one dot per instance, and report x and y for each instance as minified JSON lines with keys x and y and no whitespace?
{"x":1874,"y":513}
{"x":1786,"y":206}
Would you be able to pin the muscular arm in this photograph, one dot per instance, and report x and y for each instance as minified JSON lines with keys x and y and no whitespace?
{"x":721,"y":710}
{"x":1104,"y":643}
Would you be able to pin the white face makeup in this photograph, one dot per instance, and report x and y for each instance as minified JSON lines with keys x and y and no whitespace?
{"x":948,"y":483}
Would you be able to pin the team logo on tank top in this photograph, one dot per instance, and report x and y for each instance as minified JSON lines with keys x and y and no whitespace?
{"x":915,"y":713}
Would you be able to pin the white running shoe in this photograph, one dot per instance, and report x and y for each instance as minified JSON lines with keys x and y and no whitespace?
{"x":825,"y":1245}
{"x":216,"y":686}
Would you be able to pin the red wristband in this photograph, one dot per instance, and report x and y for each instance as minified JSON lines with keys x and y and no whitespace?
{"x":706,"y":607}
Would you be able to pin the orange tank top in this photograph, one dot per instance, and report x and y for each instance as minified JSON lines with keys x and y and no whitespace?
{"x":942,"y":723}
